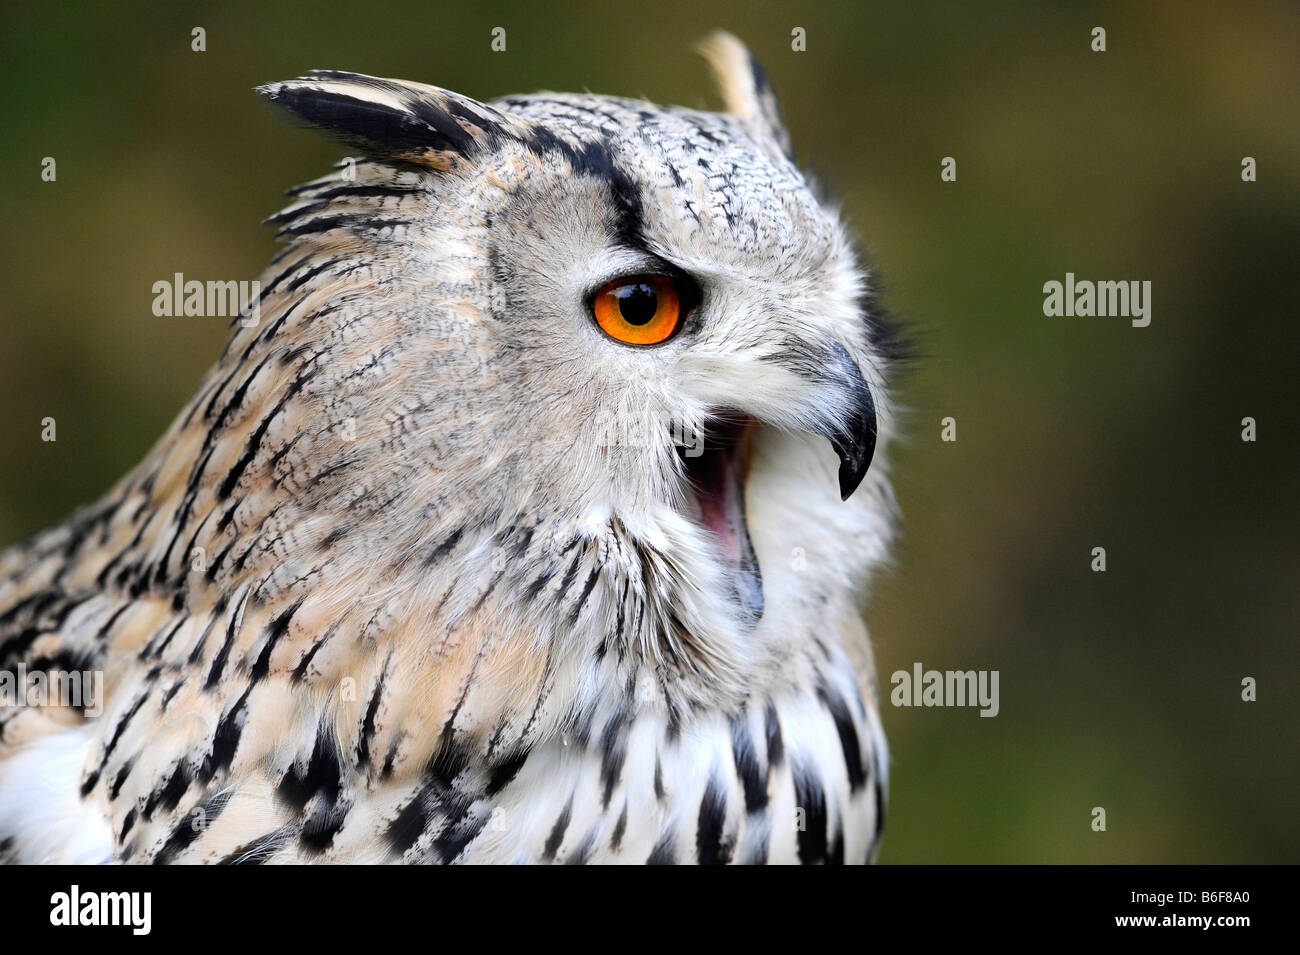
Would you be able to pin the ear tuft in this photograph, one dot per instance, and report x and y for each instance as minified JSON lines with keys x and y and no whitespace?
{"x":745,"y":88}
{"x":390,"y":119}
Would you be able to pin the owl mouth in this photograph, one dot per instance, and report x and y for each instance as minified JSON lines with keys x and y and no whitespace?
{"x":716,"y":469}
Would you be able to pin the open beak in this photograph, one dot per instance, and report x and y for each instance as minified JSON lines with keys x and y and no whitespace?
{"x":717,"y":469}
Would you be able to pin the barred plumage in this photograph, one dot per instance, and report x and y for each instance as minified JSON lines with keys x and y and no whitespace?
{"x":387,"y":591}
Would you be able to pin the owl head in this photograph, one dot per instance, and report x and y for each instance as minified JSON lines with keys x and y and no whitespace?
{"x":610,"y":367}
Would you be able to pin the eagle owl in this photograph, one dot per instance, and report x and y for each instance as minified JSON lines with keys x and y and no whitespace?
{"x":526,"y":517}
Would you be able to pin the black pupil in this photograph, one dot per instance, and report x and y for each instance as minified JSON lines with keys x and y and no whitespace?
{"x":637,"y":303}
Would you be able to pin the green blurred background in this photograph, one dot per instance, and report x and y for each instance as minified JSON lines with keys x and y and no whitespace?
{"x":1119,"y":690}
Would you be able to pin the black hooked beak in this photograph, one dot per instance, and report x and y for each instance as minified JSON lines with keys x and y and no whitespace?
{"x":854,"y":439}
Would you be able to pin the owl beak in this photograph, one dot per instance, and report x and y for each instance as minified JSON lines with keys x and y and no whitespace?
{"x":853,"y":435}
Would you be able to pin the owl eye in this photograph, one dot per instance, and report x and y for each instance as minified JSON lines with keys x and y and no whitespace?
{"x":638,"y":309}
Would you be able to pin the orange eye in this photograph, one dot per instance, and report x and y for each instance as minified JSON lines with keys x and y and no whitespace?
{"x":638,"y":310}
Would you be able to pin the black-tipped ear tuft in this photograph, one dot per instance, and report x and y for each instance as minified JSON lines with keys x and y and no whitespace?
{"x":391,"y":119}
{"x":746,"y":90}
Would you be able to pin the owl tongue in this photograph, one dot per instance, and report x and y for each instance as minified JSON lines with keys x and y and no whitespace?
{"x":717,"y":476}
